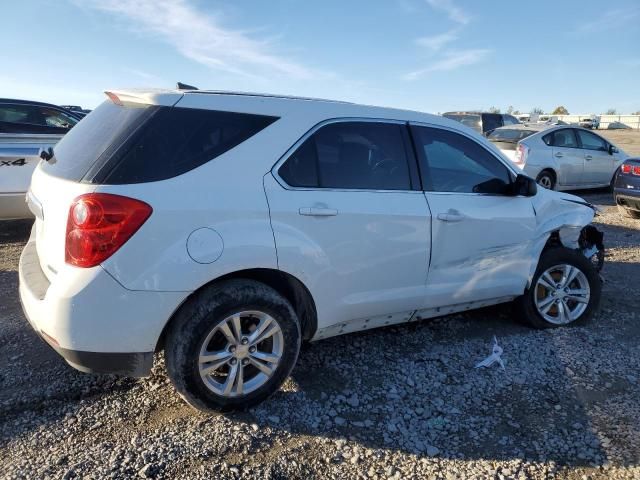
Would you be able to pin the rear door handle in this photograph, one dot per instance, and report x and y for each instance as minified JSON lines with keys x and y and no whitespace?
{"x":318,"y":212}
{"x":588,"y":157}
{"x":558,"y":155}
{"x":451,"y":217}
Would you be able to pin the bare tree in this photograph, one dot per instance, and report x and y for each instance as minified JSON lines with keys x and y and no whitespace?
{"x":611,"y":111}
{"x":510,"y":109}
{"x":516,"y":112}
{"x":560,"y":111}
{"x":537,"y":110}
{"x":494,"y":110}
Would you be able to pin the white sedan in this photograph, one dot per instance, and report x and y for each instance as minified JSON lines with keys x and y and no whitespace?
{"x":560,"y":157}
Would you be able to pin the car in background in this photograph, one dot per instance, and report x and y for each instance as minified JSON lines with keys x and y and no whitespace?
{"x":26,"y":128}
{"x":626,"y":187}
{"x":592,"y":123}
{"x":482,"y":122}
{"x":77,"y":109}
{"x":560,"y":157}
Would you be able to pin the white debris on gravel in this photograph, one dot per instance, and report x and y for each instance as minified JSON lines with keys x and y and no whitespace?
{"x":398,"y":403}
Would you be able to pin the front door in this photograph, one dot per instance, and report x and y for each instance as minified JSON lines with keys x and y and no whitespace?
{"x":481,"y":234}
{"x":599,"y":165}
{"x":350,"y":223}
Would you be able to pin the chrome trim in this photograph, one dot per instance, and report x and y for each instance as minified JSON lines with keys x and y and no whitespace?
{"x":314,"y":129}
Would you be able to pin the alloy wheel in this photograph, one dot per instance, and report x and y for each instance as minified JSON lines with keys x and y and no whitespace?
{"x":241,"y":353}
{"x":562,"y":294}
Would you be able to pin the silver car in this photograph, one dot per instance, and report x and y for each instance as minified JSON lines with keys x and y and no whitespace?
{"x":26,"y":128}
{"x":560,"y":157}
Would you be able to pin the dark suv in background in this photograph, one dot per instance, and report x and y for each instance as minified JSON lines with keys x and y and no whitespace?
{"x":482,"y":122}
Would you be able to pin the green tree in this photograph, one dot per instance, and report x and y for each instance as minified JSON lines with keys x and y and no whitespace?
{"x":516,"y":112}
{"x":560,"y":111}
{"x":611,"y":111}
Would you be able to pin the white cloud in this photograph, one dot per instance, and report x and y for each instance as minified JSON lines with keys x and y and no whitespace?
{"x":437,"y":42}
{"x":609,"y":20}
{"x":455,"y":13}
{"x":202,"y":38}
{"x":451,"y":61}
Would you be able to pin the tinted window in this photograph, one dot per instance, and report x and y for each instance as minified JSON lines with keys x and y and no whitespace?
{"x":450,"y":162}
{"x":351,"y":155}
{"x":510,"y":120}
{"x":561,"y":138}
{"x":591,"y":142}
{"x":470,"y":120}
{"x":491,"y":121}
{"x":176,"y":140}
{"x":34,"y":119}
{"x":116,"y":144}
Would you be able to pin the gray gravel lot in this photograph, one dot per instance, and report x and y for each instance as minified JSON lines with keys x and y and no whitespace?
{"x":399,"y":402}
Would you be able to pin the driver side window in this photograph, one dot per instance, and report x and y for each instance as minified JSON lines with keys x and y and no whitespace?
{"x":450,"y":162}
{"x":350,"y":155}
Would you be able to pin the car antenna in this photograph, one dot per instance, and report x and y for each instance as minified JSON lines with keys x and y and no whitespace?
{"x":184,"y":86}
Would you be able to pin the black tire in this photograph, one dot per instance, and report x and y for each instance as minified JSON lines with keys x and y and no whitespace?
{"x":549,"y":176}
{"x":631,"y":213}
{"x":197,"y":318}
{"x":525,"y":305}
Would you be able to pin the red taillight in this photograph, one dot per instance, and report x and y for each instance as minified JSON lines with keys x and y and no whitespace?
{"x":636,"y":170}
{"x":625,"y":168}
{"x":99,"y":224}
{"x":521,"y":154}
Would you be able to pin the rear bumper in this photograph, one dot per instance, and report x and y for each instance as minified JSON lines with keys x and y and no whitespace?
{"x":13,"y":206}
{"x":93,"y":322}
{"x":627,"y":198}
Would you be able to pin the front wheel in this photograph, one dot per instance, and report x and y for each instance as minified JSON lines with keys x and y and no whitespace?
{"x":232,"y":345}
{"x":564,"y":290}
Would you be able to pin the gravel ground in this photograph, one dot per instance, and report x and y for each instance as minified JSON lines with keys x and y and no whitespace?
{"x":399,"y":402}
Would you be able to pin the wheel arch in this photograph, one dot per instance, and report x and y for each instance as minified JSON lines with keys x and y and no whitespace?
{"x":284,"y":283}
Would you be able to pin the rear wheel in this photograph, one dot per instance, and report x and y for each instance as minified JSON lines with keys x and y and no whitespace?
{"x":232,"y":346}
{"x":546,"y":179}
{"x":564,"y":290}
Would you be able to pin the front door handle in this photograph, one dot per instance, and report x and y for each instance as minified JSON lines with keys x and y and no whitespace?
{"x":588,"y":157}
{"x":559,"y":155}
{"x":318,"y":212}
{"x":451,"y":217}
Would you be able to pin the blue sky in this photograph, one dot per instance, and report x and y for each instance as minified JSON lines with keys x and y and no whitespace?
{"x":429,"y":55}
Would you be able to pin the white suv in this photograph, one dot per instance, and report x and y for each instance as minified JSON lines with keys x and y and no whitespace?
{"x":228,"y":228}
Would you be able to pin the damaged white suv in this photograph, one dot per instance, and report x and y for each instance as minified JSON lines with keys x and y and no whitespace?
{"x":227,"y":228}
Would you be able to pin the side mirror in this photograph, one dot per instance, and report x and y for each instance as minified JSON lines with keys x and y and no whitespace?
{"x":524,"y":186}
{"x":612,"y":150}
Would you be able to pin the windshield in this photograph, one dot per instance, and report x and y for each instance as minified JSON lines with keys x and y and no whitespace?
{"x":105,"y":127}
{"x":509,"y":135}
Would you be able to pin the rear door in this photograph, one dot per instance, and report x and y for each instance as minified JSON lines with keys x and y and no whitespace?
{"x":599,"y":165}
{"x":481,"y":235}
{"x":568,"y":157}
{"x":350,"y":221}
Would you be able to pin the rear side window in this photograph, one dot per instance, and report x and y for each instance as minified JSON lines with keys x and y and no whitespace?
{"x":564,"y":138}
{"x":510,"y":120}
{"x":473,"y":121}
{"x":350,"y":155}
{"x":34,"y":119}
{"x":509,"y":135}
{"x":176,"y":140}
{"x":143,"y":143}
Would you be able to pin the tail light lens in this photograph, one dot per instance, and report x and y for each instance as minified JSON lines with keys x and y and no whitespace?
{"x":625,"y":168}
{"x":99,"y":224}
{"x":521,"y":154}
{"x":636,"y":170}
